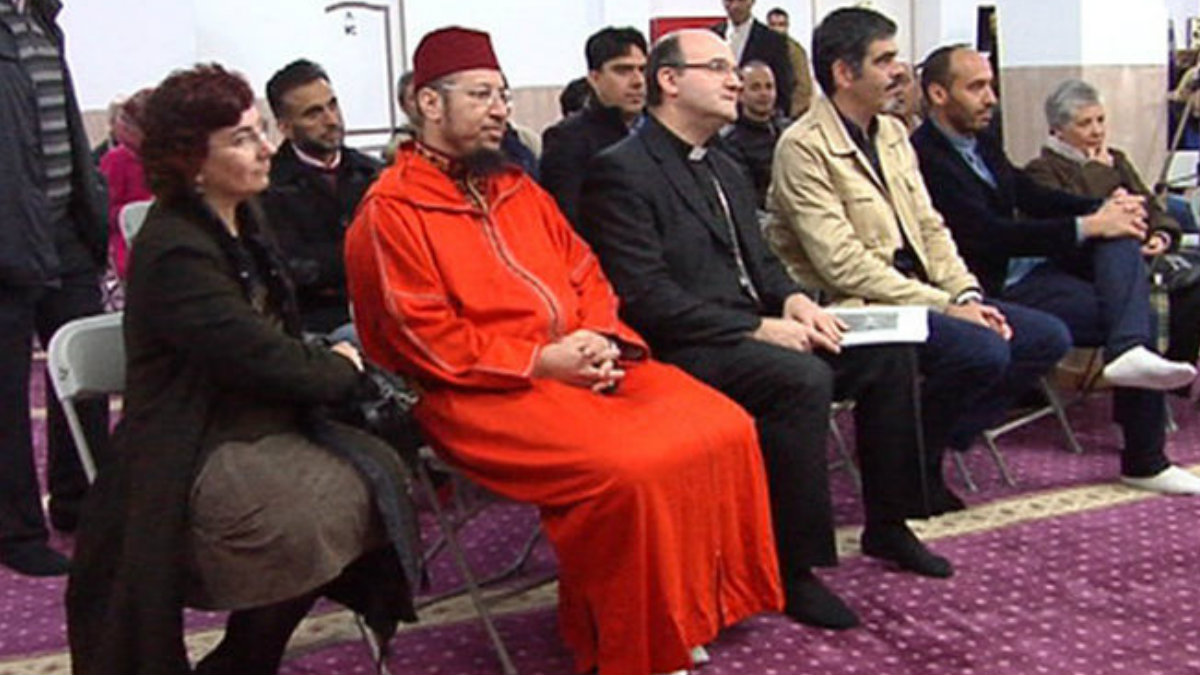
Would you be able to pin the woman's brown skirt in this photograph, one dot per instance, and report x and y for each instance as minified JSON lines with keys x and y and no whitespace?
{"x":273,"y":519}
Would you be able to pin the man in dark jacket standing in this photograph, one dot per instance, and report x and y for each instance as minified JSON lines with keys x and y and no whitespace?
{"x":751,"y":40}
{"x":316,"y":183}
{"x":616,"y":60}
{"x":53,"y":240}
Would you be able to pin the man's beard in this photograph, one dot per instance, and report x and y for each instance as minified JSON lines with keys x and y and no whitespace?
{"x":484,"y":162}
{"x":315,"y":148}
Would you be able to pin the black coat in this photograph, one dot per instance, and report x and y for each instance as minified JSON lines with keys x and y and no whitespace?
{"x":1018,"y":217}
{"x":569,"y":145}
{"x":669,"y":258}
{"x":752,"y":144}
{"x":28,"y":254}
{"x":204,"y":367}
{"x":309,"y":219}
{"x":771,"y":48}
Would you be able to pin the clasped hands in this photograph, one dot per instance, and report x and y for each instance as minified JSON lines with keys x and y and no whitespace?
{"x":583,"y":358}
{"x":803,"y":327}
{"x":1124,"y":215}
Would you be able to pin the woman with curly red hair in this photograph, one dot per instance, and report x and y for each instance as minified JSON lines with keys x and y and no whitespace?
{"x":230,"y":489}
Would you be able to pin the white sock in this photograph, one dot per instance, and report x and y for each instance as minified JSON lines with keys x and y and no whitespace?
{"x":1170,"y":481}
{"x":1143,"y":369}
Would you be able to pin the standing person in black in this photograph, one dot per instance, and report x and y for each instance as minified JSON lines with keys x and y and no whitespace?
{"x":316,"y":183}
{"x":751,"y":40}
{"x":616,"y":60}
{"x":53,"y":242}
{"x":672,"y":219}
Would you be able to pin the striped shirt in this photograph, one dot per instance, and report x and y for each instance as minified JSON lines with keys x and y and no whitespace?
{"x":41,"y":59}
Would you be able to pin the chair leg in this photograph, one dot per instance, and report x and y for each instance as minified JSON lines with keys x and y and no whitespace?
{"x":77,"y":435}
{"x":460,"y":560}
{"x":1060,"y":412}
{"x":963,"y":473}
{"x":999,"y":460}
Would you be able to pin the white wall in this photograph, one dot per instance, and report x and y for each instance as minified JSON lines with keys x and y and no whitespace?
{"x":942,"y":22}
{"x":1095,"y":32}
{"x":113,"y":55}
{"x":1113,"y":34}
{"x":539,"y":42}
{"x":1039,"y":33}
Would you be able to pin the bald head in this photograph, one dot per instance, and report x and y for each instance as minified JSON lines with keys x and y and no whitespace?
{"x":758,"y":91}
{"x":673,"y":53}
{"x":693,"y":83}
{"x":958,"y":89}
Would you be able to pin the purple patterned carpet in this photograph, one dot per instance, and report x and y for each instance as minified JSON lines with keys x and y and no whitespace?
{"x":1063,"y":574}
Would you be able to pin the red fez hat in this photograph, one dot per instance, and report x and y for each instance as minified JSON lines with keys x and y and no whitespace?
{"x":451,"y":50}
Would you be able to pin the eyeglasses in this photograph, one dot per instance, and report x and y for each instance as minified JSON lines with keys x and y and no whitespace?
{"x":720,"y":67}
{"x":484,"y":96}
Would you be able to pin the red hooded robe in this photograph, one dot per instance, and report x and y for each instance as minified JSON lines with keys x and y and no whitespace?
{"x":654,"y":496}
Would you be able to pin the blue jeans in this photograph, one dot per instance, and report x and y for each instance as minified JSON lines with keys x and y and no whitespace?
{"x":1180,"y":209}
{"x":972,"y":375}
{"x":1101,"y":292}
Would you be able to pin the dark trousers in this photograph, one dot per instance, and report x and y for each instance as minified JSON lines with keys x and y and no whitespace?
{"x":1184,"y":344}
{"x":25,"y":312}
{"x":789,"y":394}
{"x":972,"y":375}
{"x":1102,"y":294}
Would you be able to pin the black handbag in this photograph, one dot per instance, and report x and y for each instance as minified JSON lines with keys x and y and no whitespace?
{"x":384,"y":408}
{"x":1177,"y":270}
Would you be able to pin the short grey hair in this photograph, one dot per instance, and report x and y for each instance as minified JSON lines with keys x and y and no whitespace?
{"x":1066,"y":99}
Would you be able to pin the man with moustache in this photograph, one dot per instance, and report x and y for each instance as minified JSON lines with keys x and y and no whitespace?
{"x":316,"y":183}
{"x":616,"y":60}
{"x":853,"y":219}
{"x":466,"y":277}
{"x":1077,"y":258}
{"x":673,"y":219}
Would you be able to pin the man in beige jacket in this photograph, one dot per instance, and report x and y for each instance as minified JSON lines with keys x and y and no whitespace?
{"x":853,"y":219}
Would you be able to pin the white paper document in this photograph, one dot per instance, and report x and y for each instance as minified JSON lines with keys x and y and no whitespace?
{"x":880,"y":324}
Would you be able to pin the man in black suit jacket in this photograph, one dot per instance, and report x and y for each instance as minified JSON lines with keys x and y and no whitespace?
{"x":674,"y":224}
{"x":751,"y":40}
{"x":316,"y":183}
{"x":616,"y":75}
{"x":1076,"y":258}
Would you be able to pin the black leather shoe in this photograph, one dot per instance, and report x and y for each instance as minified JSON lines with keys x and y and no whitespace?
{"x":897,"y":543}
{"x":811,"y":602}
{"x":34,"y":559}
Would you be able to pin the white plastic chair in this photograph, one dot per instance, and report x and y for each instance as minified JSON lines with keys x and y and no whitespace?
{"x":86,"y":357}
{"x":131,"y":217}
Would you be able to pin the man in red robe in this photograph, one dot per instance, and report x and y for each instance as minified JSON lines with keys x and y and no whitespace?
{"x":465,"y":276}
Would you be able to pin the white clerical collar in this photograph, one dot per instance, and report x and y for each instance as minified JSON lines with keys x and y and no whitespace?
{"x":313,"y":161}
